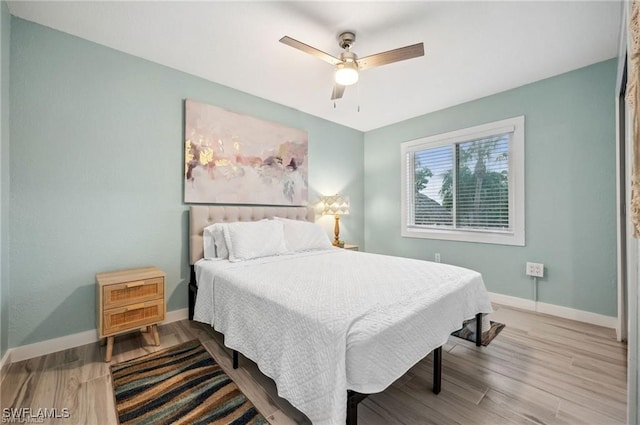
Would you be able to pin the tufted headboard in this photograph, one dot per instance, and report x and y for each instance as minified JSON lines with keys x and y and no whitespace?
{"x":201,"y":216}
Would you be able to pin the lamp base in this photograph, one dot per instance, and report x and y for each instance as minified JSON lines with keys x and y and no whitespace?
{"x":339,"y":244}
{"x":336,"y":232}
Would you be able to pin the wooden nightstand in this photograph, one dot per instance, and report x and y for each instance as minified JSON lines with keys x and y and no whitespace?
{"x":351,"y":247}
{"x":129,"y":300}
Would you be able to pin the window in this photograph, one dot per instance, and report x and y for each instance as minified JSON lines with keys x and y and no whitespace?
{"x":466,"y":185}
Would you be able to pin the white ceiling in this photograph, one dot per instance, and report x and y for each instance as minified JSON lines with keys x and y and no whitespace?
{"x":472,"y":49}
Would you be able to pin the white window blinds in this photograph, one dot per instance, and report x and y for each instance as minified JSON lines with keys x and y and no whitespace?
{"x":465,"y":182}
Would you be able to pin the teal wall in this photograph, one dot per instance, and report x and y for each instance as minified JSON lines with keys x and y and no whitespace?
{"x":5,"y":35}
{"x":570,"y":189}
{"x":96,"y":173}
{"x":96,"y":151}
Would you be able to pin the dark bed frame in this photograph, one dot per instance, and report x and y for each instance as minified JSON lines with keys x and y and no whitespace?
{"x":353,"y":397}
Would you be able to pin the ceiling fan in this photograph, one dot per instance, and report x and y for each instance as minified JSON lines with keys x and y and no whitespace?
{"x":347,"y":64}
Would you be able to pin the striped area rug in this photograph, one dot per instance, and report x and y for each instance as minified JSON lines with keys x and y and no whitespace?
{"x":179,"y":385}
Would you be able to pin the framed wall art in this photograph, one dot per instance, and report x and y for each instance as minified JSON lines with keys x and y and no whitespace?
{"x":231,"y":158}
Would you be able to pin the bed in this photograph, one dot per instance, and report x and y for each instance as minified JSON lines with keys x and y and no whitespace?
{"x":328,"y":325}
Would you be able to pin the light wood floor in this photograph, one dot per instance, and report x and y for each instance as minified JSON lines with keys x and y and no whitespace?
{"x":539,"y":370}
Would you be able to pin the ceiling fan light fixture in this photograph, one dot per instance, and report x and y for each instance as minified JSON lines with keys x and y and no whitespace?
{"x":347,"y":66}
{"x":346,"y":73}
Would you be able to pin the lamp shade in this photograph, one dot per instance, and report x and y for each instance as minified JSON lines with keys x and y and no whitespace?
{"x":335,"y":205}
{"x":346,"y":73}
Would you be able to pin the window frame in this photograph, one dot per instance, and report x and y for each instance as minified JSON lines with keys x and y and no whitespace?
{"x":514,"y":236}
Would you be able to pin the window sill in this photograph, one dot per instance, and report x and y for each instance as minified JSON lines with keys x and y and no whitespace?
{"x":502,"y":238}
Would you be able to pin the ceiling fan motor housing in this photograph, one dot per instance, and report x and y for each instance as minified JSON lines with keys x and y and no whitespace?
{"x":348,"y":57}
{"x":347,"y":71}
{"x":346,"y":39}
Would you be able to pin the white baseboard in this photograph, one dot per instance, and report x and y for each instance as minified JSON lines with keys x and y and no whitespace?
{"x":579,"y":315}
{"x":510,"y":301}
{"x":176,"y":315}
{"x":49,"y":346}
{"x":556,"y":310}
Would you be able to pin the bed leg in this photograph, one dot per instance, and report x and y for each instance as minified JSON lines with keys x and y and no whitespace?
{"x":193,"y":290}
{"x":352,"y":409}
{"x":192,"y":303}
{"x":437,"y":370}
{"x":478,"y":329}
{"x":353,"y":399}
{"x":235,"y":359}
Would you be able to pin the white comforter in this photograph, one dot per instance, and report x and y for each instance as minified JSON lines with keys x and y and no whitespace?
{"x":323,"y":322}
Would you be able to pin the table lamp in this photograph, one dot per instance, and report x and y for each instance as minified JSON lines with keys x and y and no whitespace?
{"x":336,"y":205}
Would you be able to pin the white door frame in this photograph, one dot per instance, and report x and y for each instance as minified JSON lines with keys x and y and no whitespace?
{"x":624,"y":250}
{"x":628,"y":252}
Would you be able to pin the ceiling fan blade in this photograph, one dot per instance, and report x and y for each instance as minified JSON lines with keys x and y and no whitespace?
{"x":338,"y":91}
{"x":310,"y":50}
{"x":390,"y":56}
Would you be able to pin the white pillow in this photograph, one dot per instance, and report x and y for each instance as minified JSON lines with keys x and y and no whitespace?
{"x":215,"y":245}
{"x":209,"y":243}
{"x":304,"y":236}
{"x":254,"y":239}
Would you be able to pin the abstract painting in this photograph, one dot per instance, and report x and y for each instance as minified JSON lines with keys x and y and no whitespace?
{"x":231,"y":158}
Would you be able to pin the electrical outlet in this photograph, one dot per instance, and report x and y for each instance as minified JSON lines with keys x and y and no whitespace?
{"x":535,"y":269}
{"x":437,"y":257}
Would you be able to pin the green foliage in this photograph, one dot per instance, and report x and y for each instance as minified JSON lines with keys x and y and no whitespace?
{"x":482,"y":194}
{"x":421,"y":178}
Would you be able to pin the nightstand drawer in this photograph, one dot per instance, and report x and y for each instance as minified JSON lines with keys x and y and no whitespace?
{"x":127,"y":300}
{"x":132,"y":292}
{"x":116,"y":320}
